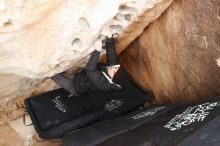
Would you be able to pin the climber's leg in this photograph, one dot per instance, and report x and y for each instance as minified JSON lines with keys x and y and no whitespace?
{"x":65,"y":82}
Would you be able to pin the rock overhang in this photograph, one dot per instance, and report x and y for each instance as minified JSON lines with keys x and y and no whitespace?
{"x":41,"y":38}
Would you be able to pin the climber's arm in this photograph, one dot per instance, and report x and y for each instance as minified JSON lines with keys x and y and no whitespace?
{"x":112,"y":58}
{"x":94,"y":58}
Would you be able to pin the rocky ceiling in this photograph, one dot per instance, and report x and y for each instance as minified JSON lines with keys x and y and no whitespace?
{"x":176,"y":57}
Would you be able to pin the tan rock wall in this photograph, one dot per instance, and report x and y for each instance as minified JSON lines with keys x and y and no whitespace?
{"x":177,"y":56}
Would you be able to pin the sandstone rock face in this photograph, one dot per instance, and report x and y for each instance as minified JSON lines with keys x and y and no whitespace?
{"x":41,"y":38}
{"x":177,"y":56}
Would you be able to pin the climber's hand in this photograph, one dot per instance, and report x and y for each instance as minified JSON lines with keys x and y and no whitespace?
{"x":115,"y":36}
{"x":109,"y":43}
{"x":109,"y":38}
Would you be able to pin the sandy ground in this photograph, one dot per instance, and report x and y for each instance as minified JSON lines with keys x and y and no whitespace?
{"x":10,"y":137}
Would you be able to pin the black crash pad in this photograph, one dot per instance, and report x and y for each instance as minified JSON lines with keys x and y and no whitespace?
{"x":194,"y":124}
{"x":184,"y":125}
{"x":56,"y":113}
{"x":101,"y":131}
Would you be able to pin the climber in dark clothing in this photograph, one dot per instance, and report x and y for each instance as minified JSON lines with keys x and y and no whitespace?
{"x":97,"y":77}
